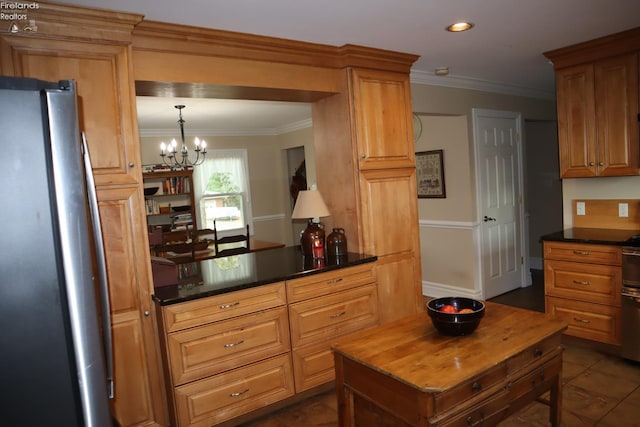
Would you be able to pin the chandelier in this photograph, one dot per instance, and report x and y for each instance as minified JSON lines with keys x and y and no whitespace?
{"x":174,"y":158}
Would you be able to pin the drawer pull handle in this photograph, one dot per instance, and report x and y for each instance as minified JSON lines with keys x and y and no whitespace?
{"x":335,"y":316}
{"x":582,"y":282}
{"x":577,"y":319}
{"x":537,"y":352}
{"x":233,"y":344}
{"x":480,"y":422}
{"x":476,"y":386}
{"x":334,"y":281}
{"x":238,"y":393}
{"x":581,"y":252}
{"x":233,"y":304}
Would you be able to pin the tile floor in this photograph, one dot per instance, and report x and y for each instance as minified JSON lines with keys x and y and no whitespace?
{"x":599,"y":389}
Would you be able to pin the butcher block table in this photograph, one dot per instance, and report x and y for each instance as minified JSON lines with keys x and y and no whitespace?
{"x":406,"y":373}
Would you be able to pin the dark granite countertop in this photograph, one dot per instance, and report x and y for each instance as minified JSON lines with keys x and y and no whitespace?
{"x":232,"y":273}
{"x":602,"y":236}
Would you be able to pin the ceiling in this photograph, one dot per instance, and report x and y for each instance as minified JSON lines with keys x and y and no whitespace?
{"x":502,"y":53}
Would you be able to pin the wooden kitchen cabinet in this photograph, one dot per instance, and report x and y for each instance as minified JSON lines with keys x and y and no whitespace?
{"x":583,"y":283}
{"x":226,"y":355}
{"x":230,"y":354}
{"x":384,"y":219}
{"x":105,"y":96}
{"x":383,"y":119}
{"x":598,"y":105}
{"x":94,"y":48}
{"x":323,"y":307}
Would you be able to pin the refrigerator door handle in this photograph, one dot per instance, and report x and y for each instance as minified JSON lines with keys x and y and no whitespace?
{"x":103,"y":283}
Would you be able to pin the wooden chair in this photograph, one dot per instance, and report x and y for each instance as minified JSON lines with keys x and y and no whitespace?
{"x":222,"y":241}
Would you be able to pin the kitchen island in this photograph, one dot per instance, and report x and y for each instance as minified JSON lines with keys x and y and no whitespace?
{"x":405,"y":373}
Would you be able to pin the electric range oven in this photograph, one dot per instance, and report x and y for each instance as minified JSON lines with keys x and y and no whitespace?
{"x":630,"y":348}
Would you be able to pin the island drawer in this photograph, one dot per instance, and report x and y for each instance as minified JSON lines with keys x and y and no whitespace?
{"x":587,"y":282}
{"x":537,"y":381}
{"x":489,"y":412}
{"x":220,"y":307}
{"x":215,"y":399}
{"x":533,"y":354}
{"x":581,"y":252}
{"x":220,"y":346}
{"x":329,"y":282}
{"x":320,"y":319}
{"x":482,"y":385}
{"x":587,"y":320}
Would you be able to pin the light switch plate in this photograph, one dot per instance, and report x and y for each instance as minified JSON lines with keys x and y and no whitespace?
{"x":580,"y":209}
{"x":623,"y":210}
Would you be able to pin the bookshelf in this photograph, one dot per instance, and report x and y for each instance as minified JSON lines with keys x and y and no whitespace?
{"x":171,"y":207}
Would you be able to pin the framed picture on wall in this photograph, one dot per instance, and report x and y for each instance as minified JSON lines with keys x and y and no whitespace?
{"x":430,"y":174}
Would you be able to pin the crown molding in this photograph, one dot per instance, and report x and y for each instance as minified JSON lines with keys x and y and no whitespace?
{"x":461,"y":82}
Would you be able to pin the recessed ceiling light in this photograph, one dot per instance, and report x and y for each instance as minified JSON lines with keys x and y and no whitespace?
{"x":460,"y":26}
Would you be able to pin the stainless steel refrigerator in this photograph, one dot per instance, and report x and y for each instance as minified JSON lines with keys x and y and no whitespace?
{"x":55,"y":336}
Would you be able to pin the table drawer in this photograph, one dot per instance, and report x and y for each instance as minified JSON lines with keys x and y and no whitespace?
{"x":312,"y":366}
{"x":219,"y":398}
{"x":587,"y":320}
{"x":537,"y":381}
{"x":472,"y":388}
{"x":329,"y":282}
{"x":588,"y":282}
{"x":581,"y":252}
{"x":320,"y":319}
{"x":225,"y":345}
{"x":534,"y":354}
{"x":488,"y":413}
{"x":220,"y":307}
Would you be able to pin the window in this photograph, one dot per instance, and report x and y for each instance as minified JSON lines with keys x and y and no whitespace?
{"x":222,"y":190}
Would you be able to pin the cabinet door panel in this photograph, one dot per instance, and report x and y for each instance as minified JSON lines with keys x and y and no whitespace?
{"x":389,"y":211}
{"x":576,"y":131}
{"x":384,"y":123}
{"x":137,"y":377}
{"x":616,"y":115}
{"x":105,"y":97}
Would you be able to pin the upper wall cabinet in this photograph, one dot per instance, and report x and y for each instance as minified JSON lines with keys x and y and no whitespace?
{"x":102,"y":71}
{"x":383,"y":120}
{"x":598,"y":105}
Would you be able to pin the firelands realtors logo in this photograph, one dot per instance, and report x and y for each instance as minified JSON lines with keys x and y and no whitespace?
{"x":14,"y":16}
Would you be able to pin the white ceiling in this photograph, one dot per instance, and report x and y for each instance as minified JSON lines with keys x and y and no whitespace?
{"x":503,"y":52}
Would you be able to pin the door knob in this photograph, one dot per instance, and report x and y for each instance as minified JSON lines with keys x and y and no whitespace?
{"x":488,"y":218}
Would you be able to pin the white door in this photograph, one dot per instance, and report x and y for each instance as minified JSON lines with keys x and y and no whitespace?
{"x":499,"y":178}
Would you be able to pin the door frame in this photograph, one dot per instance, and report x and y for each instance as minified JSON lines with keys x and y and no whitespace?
{"x":524,"y":238}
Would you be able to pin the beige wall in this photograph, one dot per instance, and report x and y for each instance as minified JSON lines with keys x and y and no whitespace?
{"x":449,"y":228}
{"x":267,"y":175}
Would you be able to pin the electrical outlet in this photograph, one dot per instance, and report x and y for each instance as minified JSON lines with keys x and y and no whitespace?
{"x":623,"y":210}
{"x":580,"y":209}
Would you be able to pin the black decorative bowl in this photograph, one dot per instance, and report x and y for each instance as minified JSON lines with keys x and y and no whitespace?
{"x":181,"y":208}
{"x":150,"y":191}
{"x":455,"y":323}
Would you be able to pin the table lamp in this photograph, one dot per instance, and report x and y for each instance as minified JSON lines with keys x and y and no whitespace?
{"x":310,"y":205}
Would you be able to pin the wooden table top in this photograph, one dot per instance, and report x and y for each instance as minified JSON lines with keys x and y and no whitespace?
{"x":412,"y":351}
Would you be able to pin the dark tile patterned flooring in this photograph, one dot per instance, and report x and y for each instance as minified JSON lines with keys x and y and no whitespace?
{"x":599,"y":389}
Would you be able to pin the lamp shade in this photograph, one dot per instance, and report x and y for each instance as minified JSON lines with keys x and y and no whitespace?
{"x":309,"y":205}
